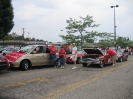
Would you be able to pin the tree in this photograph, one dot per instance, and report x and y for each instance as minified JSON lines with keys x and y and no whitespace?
{"x":105,"y":39}
{"x":6,"y":18}
{"x":81,"y":26}
{"x":123,"y":42}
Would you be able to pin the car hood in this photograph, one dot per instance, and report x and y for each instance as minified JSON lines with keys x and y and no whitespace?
{"x":92,"y":51}
{"x":14,"y":56}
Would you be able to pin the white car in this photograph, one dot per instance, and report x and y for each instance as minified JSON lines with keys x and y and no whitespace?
{"x":9,"y":50}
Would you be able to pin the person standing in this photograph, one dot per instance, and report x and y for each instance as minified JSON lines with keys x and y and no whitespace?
{"x":131,"y":51}
{"x":53,"y":54}
{"x":74,"y":55}
{"x":62,"y":55}
{"x":66,"y":48}
{"x":112,"y":54}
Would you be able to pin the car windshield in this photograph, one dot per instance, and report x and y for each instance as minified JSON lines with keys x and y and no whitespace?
{"x":119,"y":53}
{"x":80,"y":52}
{"x":26,"y":49}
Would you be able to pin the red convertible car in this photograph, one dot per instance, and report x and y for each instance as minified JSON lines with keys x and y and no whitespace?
{"x":121,"y":56}
{"x":79,"y":55}
{"x":95,"y":56}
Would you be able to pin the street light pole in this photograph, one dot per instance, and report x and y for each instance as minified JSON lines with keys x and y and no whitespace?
{"x":28,"y":34}
{"x":62,"y":38}
{"x":114,"y":25}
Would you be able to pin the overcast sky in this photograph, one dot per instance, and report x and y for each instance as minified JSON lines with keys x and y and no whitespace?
{"x":44,"y":19}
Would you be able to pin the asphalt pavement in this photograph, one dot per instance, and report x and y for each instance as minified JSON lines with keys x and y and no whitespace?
{"x":82,"y":83}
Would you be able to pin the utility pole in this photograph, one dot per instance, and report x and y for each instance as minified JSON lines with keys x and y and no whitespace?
{"x":23,"y":33}
{"x":28,"y":34}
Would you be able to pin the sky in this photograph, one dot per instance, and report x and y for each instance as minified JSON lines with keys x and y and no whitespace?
{"x":44,"y":19}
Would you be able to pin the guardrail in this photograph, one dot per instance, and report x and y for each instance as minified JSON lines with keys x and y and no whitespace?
{"x":22,"y":41}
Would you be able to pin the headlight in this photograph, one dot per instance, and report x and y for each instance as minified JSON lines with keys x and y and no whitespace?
{"x":97,"y":59}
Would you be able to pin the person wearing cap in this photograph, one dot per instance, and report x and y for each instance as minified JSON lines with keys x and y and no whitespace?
{"x":112,"y":54}
{"x":53,"y":54}
{"x":74,"y":55}
{"x":62,"y":55}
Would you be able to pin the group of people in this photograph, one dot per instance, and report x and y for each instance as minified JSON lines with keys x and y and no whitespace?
{"x":62,"y":54}
{"x":128,"y":50}
{"x":65,"y":50}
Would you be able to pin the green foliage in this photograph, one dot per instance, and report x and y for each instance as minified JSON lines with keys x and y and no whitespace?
{"x":6,"y":18}
{"x":124,"y":42}
{"x":106,"y":39}
{"x":80,"y":26}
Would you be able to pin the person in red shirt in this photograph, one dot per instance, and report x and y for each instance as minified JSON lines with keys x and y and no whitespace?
{"x":66,"y":48}
{"x":53,"y":54}
{"x":112,"y":54}
{"x":131,"y":51}
{"x":62,"y":55}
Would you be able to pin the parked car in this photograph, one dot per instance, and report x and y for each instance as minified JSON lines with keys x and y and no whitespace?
{"x":3,"y":63}
{"x":9,"y":50}
{"x":95,"y":56}
{"x":28,"y":56}
{"x":122,"y":56}
{"x":3,"y":48}
{"x":79,"y":55}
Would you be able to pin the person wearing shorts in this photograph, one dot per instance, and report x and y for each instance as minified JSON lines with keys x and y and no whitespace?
{"x":74,"y":55}
{"x":112,"y":54}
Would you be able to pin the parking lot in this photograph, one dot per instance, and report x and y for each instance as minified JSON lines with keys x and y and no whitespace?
{"x":91,"y":82}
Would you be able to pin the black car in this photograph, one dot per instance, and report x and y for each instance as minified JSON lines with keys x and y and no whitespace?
{"x":3,"y":63}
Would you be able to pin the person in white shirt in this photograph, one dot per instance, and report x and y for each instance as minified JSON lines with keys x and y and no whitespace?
{"x":74,"y":55}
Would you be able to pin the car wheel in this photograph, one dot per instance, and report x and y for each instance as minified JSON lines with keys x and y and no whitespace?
{"x":84,"y":64}
{"x":121,"y":60}
{"x":4,"y":54}
{"x":25,"y":65}
{"x":101,"y":64}
{"x":126,"y":58}
{"x":78,"y":61}
{"x":58,"y":62}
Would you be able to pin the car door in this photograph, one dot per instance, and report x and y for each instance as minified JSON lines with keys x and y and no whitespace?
{"x":107,"y":59}
{"x":47,"y":58}
{"x":38,"y":57}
